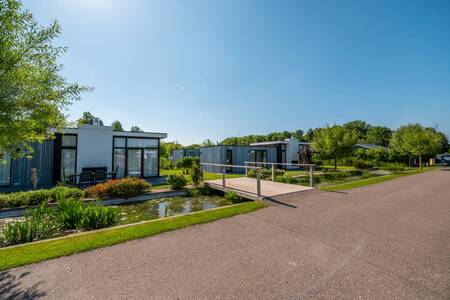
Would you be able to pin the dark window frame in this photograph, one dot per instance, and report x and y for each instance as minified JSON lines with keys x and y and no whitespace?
{"x":70,"y":148}
{"x":142,"y":153}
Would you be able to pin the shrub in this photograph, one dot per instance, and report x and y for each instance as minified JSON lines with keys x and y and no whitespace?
{"x":166,"y":164}
{"x":125,"y":187}
{"x":200,"y":191}
{"x":396,"y":167}
{"x":69,"y":213}
{"x":232,"y":197}
{"x":360,"y":164}
{"x":96,"y":217}
{"x":33,"y":198}
{"x":187,"y":162}
{"x":28,"y":231}
{"x":265,"y":174}
{"x":196,"y":174}
{"x":176,"y":182}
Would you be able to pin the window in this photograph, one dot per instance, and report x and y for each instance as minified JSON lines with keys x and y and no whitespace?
{"x":136,"y":157}
{"x":141,"y":143}
{"x":68,"y":155}
{"x":5,"y":171}
{"x":69,"y":141}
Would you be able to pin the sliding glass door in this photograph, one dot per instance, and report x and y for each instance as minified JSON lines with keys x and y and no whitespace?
{"x":136,"y":157}
{"x":150,"y":162}
{"x":134,"y":162}
{"x":5,"y":171}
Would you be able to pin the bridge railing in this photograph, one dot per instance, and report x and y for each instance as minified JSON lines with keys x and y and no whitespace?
{"x":224,"y":167}
{"x":308,"y":167}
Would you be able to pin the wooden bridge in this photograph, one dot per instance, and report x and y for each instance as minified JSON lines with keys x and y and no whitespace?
{"x":253,"y":188}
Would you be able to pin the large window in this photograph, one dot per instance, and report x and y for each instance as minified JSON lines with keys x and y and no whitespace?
{"x":5,"y":171}
{"x":68,"y":155}
{"x":136,"y":157}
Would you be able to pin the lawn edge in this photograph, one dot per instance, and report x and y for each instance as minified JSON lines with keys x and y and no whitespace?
{"x":20,"y":255}
{"x":371,"y":181}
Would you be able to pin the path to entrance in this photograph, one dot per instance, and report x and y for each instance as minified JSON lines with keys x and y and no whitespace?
{"x":390,"y":240}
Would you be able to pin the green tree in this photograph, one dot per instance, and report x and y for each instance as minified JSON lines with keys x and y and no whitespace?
{"x":334,"y":142}
{"x":89,"y":119}
{"x":33,"y":93}
{"x":117,"y":126}
{"x":378,"y":135}
{"x":416,"y":140}
{"x":136,"y":129}
{"x":359,"y":127}
{"x":166,"y":148}
{"x":207,"y":143}
{"x":298,"y":134}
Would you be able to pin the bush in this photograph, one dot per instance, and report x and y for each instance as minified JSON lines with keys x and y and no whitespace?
{"x":360,"y":164}
{"x":187,"y":162}
{"x":176,"y":182}
{"x":265,"y":174}
{"x":396,"y":167}
{"x":28,"y":231}
{"x":166,"y":164}
{"x":69,"y":213}
{"x":196,"y":174}
{"x":200,"y":191}
{"x":33,"y":198}
{"x":118,"y":188}
{"x":96,"y":217}
{"x":232,"y":197}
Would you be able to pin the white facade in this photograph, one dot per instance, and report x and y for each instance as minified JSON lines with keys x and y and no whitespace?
{"x":94,"y":147}
{"x":289,"y":150}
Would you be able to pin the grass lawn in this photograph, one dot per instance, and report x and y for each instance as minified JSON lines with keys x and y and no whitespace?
{"x":206,"y":176}
{"x":373,"y":180}
{"x":36,"y":252}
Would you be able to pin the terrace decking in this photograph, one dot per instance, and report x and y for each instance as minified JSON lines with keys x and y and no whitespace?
{"x":247,"y":187}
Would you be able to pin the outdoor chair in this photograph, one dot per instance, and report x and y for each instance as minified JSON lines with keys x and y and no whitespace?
{"x":99,"y":175}
{"x":86,"y":178}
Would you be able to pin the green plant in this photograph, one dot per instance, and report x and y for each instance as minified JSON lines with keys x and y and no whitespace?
{"x":232,"y":197}
{"x":125,"y":187}
{"x":95,"y":217}
{"x":33,"y":198}
{"x":69,"y":213}
{"x":187,"y":162}
{"x":265,"y":174}
{"x":199,"y":191}
{"x":196,"y":174}
{"x":176,"y":182}
{"x":395,"y":166}
{"x":27,"y":231}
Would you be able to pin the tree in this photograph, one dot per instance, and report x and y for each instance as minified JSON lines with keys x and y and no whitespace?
{"x":298,"y":134}
{"x":33,"y":93}
{"x":117,"y":126}
{"x":360,"y":127}
{"x":378,"y":135}
{"x":334,"y":142}
{"x":136,"y":129}
{"x":166,"y":148}
{"x":89,"y":119}
{"x":207,"y":143}
{"x":416,"y":140}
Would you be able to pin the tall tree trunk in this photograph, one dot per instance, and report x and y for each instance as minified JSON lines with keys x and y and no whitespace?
{"x":335,"y":164}
{"x":420,"y":162}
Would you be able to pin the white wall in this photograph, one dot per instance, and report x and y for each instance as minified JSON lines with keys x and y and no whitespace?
{"x":94,"y":147}
{"x":292,"y":151}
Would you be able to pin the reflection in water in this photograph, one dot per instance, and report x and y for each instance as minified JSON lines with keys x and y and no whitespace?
{"x":140,"y":211}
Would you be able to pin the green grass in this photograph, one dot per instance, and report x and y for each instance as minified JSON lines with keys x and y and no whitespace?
{"x":206,"y":176}
{"x":36,"y":252}
{"x":372,"y":180}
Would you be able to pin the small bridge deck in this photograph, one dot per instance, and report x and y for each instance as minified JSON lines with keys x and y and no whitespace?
{"x":247,"y":187}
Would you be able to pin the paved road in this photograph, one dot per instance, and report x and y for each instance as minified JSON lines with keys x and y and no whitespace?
{"x":390,"y":240}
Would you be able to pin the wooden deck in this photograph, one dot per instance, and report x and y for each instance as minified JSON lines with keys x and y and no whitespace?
{"x":246,"y":187}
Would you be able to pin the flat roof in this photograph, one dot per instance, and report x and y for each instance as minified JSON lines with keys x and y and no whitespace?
{"x":159,"y":135}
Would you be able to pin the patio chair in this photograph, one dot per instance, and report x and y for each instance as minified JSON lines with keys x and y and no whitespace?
{"x":86,"y":178}
{"x":99,"y":175}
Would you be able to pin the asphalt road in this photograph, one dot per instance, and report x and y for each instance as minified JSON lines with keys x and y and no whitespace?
{"x":390,"y":240}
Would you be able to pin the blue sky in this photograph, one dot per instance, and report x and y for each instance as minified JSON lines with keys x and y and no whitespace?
{"x":212,"y":69}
